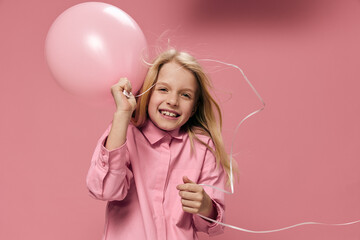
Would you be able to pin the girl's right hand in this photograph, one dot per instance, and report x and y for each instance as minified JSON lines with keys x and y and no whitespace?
{"x":123,"y":103}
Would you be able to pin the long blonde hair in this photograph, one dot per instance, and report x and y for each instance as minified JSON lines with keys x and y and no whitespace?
{"x":207,"y":118}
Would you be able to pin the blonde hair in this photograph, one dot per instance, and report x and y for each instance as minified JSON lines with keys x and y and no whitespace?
{"x":204,"y":120}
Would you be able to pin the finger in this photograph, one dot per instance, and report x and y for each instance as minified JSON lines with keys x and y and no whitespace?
{"x":124,"y":83}
{"x":190,"y":196}
{"x":190,"y":204}
{"x":190,"y":210}
{"x":190,"y":187}
{"x":132,"y":96}
{"x":127,"y":85}
{"x":117,"y":89}
{"x":187,"y":180}
{"x":123,"y":86}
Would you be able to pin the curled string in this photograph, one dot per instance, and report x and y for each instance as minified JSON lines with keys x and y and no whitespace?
{"x":146,"y":90}
{"x":231,"y":159}
{"x":280,"y":229}
{"x":239,"y":124}
{"x":129,"y":95}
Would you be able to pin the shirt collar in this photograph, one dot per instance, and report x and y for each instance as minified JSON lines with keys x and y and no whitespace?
{"x":154,"y":134}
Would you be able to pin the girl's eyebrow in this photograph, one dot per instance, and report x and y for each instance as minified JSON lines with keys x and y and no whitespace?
{"x":188,"y":89}
{"x":164,"y":83}
{"x":168,"y":85}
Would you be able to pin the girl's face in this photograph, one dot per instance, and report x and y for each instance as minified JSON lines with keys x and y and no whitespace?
{"x":174,"y":96}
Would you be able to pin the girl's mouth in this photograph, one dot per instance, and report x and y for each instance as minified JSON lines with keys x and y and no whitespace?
{"x":169,"y":113}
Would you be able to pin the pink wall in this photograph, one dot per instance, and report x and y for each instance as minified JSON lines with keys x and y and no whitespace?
{"x":299,"y":158}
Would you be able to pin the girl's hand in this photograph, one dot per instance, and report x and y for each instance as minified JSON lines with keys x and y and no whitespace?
{"x":194,"y":199}
{"x":123,"y":103}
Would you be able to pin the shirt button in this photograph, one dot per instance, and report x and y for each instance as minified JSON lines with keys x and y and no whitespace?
{"x":103,"y":164}
{"x":102,"y":152}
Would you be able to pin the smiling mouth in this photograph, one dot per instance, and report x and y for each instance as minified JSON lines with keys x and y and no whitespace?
{"x":170,"y":114}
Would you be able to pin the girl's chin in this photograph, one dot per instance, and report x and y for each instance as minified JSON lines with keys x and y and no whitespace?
{"x":166,"y":126}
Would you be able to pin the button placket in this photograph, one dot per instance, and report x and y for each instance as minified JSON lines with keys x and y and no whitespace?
{"x":167,"y":140}
{"x":165,"y":161}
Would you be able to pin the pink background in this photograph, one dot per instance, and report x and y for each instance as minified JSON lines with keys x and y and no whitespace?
{"x":298,"y":159}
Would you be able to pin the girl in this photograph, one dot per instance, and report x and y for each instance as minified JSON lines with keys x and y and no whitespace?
{"x":151,"y":160}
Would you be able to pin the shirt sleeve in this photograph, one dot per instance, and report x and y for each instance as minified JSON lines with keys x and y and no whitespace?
{"x":109,"y":175}
{"x":213,"y":176}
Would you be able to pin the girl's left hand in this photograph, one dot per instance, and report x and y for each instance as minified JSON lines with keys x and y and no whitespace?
{"x":195,"y":200}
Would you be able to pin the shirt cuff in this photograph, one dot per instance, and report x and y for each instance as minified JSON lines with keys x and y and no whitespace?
{"x":212,"y":228}
{"x":114,"y":160}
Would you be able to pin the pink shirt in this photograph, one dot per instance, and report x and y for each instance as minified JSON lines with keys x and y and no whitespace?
{"x":139,"y":182}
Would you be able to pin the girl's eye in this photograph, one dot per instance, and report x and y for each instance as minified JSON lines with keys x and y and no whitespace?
{"x":186,"y":95}
{"x":162,"y":89}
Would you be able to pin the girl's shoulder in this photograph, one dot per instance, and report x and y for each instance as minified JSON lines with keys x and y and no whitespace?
{"x":202,"y":137}
{"x":132,"y":127}
{"x":200,"y":132}
{"x":134,"y":131}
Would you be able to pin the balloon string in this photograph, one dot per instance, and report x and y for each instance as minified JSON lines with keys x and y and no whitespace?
{"x":231,"y":159}
{"x":281,"y":229}
{"x":146,"y":90}
{"x":239,"y":124}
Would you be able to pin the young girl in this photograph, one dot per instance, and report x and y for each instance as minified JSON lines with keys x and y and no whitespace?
{"x":151,"y":160}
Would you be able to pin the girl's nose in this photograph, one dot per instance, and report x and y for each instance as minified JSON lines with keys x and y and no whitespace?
{"x":172,"y":100}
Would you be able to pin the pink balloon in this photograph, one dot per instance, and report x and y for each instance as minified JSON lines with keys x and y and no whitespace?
{"x":91,"y":45}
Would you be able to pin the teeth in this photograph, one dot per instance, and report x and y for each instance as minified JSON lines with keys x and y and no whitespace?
{"x":168,"y":113}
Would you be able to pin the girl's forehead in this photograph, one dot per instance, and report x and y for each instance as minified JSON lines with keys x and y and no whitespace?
{"x":174,"y":68}
{"x":176,"y":75}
